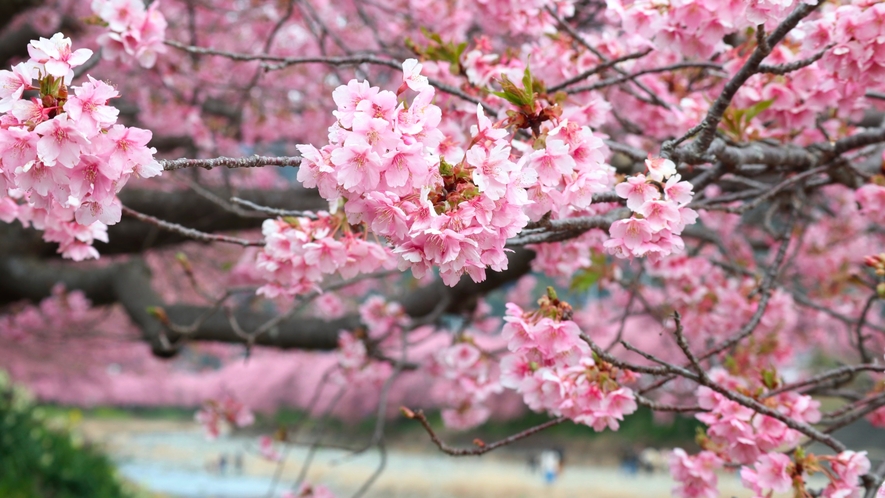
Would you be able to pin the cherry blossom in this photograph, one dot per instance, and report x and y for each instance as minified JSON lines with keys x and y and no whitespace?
{"x":56,"y":57}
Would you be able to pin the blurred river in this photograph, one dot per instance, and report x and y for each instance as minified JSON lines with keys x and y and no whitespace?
{"x":173,"y":458}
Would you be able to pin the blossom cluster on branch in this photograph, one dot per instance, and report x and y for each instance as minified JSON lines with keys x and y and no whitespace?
{"x":64,"y":158}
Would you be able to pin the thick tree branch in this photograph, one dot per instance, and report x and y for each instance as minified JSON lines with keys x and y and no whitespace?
{"x":129,"y":284}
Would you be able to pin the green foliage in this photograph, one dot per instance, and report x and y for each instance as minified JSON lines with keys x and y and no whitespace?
{"x":736,"y":121}
{"x":40,"y":460}
{"x":585,"y":278}
{"x":438,"y":50}
{"x":523,"y":97}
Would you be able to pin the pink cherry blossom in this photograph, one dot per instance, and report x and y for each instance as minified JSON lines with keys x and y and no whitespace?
{"x":89,"y":106}
{"x":637,"y":191}
{"x":13,"y":84}
{"x":60,"y":141}
{"x":696,"y":474}
{"x":412,"y":76}
{"x":771,"y":473}
{"x":56,"y":56}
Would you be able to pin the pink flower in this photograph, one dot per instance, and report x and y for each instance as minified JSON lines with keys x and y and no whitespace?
{"x":637,"y":191}
{"x":773,"y":472}
{"x":327,"y":254}
{"x":387,"y":218}
{"x":412,"y":75}
{"x":871,"y":198}
{"x":556,"y":337}
{"x":56,"y":56}
{"x":91,"y":211}
{"x":460,"y":356}
{"x":660,"y":214}
{"x":696,"y":474}
{"x":208,"y":418}
{"x":348,"y":97}
{"x":850,"y":466}
{"x":678,"y":191}
{"x":317,"y":171}
{"x":120,"y":14}
{"x":631,"y":233}
{"x":379,"y":105}
{"x":60,"y":141}
{"x":514,"y":369}
{"x":267,"y":449}
{"x":329,"y":306}
{"x":30,"y":112}
{"x":484,"y":133}
{"x":358,"y":166}
{"x":377,"y":132}
{"x":405,"y":163}
{"x":18,"y":147}
{"x":493,"y":169}
{"x":552,"y":162}
{"x":89,"y":106}
{"x":659,"y":169}
{"x":134,"y":31}
{"x":13,"y":84}
{"x":127,"y":151}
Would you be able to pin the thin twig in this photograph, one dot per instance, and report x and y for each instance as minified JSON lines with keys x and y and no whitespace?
{"x":230,"y":162}
{"x":273,"y":211}
{"x":189,"y":232}
{"x":480,"y":449}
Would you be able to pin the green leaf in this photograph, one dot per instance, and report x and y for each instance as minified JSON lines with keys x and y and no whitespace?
{"x":769,"y":378}
{"x":584,"y":279}
{"x":756,"y":109}
{"x":587,"y":277}
{"x":513,"y":94}
{"x":527,"y":81}
{"x":438,"y":50}
{"x":445,"y":169}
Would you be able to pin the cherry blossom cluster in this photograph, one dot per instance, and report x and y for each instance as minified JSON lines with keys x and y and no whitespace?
{"x":776,"y":472}
{"x":133,"y":30}
{"x":217,"y":415}
{"x":659,"y":203}
{"x":740,"y":435}
{"x":62,"y":311}
{"x":383,"y":318}
{"x":567,"y":170}
{"x":555,"y":370}
{"x":300,"y":251}
{"x":871,"y":198}
{"x":695,"y":28}
{"x":385,"y":160}
{"x":468,"y":374}
{"x":354,"y":365}
{"x":736,"y":434}
{"x":63,"y":158}
{"x":695,"y":474}
{"x":857,"y":59}
{"x":711,"y":300}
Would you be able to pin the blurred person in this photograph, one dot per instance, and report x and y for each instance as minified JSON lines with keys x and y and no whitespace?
{"x":550,"y":464}
{"x":630,"y":461}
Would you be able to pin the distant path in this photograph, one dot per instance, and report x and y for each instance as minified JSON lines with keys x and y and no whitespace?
{"x":170,"y":457}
